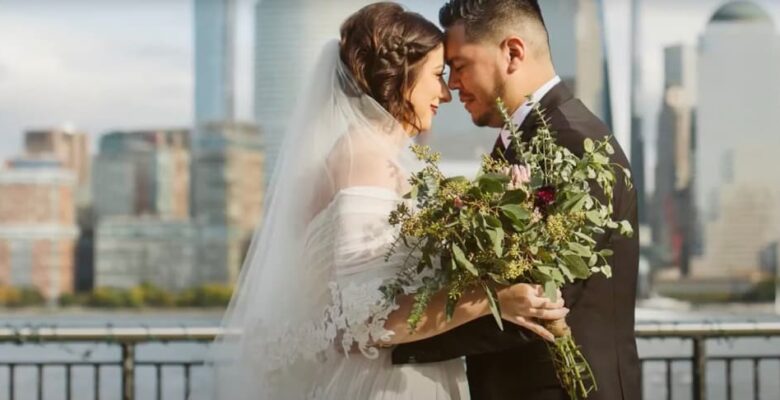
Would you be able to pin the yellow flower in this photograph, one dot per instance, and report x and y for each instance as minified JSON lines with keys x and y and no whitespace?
{"x":516,"y":269}
{"x":556,"y":227}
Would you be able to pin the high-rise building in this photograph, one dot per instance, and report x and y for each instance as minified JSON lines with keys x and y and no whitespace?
{"x":215,"y":30}
{"x":738,"y":90}
{"x":636,"y":146}
{"x":674,"y":212}
{"x":38,"y":229}
{"x":288,"y":39}
{"x":738,"y":95}
{"x":154,"y":168}
{"x":71,"y":148}
{"x":227,"y":197}
{"x":131,"y":251}
{"x":142,"y":209}
{"x":748,"y":217}
{"x":66,"y":145}
{"x":578,"y":50}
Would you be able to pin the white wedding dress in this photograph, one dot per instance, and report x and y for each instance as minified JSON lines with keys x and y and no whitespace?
{"x":308,"y":308}
{"x":354,"y":230}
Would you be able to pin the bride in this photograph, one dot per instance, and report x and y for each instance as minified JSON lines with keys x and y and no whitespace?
{"x":313,"y":321}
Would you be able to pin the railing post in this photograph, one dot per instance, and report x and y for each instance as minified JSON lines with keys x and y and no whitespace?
{"x":128,"y":371}
{"x":699,"y":368}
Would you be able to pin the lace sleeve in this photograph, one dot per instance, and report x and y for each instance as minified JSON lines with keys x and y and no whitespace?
{"x":363,"y":238}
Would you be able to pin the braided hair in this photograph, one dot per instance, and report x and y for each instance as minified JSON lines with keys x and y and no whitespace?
{"x":383,"y":45}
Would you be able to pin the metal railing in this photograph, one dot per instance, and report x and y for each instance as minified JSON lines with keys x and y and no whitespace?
{"x":126,"y":338}
{"x":698,"y":334}
{"x":129,"y":338}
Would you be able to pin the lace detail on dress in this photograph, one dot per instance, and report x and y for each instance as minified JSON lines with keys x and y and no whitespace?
{"x":362,"y":316}
{"x":357,"y":316}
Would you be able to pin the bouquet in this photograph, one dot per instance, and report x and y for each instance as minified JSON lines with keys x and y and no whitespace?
{"x":533,"y":223}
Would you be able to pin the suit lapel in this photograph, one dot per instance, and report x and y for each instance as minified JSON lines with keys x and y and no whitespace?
{"x":556,"y":97}
{"x":498,"y":149}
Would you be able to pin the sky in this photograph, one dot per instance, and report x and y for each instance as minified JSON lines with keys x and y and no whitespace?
{"x":127,"y":64}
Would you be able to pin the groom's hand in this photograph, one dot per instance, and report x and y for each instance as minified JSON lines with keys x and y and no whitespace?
{"x":525,"y":304}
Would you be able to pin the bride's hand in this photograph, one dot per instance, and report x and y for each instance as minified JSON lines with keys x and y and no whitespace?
{"x":524,"y":304}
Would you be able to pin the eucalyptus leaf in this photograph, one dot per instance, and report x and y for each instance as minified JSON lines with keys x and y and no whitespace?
{"x":495,"y":308}
{"x":462,"y":261}
{"x":589,"y":145}
{"x":580,"y":204}
{"x":551,"y":290}
{"x":577,"y":266}
{"x":609,"y":148}
{"x":516,"y":213}
{"x":514,"y":197}
{"x":606,"y":252}
{"x":497,"y":237}
{"x":601,"y":159}
{"x":492,"y":183}
{"x":593,"y":260}
{"x":566,"y":271}
{"x":585,"y":237}
{"x":579,"y":249}
{"x":492,"y":221}
{"x":454,"y":179}
{"x":626,"y":229}
{"x":594,"y":217}
{"x":571,"y":201}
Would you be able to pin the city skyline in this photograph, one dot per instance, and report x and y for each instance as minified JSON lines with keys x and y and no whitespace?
{"x":150,"y":66}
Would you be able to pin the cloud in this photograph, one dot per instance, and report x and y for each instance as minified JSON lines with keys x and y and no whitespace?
{"x":55,"y":69}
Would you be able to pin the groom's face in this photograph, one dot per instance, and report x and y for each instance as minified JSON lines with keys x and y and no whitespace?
{"x":475,"y":74}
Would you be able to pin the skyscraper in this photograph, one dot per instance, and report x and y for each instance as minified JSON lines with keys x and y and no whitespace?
{"x":578,"y":50}
{"x":738,"y":95}
{"x":738,"y":90}
{"x":637,"y":140}
{"x":288,"y":38}
{"x":215,"y":29}
{"x":673,"y":216}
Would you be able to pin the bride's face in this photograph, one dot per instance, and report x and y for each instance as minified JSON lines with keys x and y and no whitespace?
{"x":429,"y":89}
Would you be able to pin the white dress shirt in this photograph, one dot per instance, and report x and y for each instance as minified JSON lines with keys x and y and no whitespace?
{"x":522,"y":112}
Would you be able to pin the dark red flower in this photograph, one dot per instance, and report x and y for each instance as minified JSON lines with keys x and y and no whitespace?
{"x":544,"y":196}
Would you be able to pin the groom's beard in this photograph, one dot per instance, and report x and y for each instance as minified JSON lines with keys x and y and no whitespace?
{"x":492,"y":117}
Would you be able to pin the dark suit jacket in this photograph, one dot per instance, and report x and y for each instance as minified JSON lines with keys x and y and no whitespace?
{"x":515,"y":364}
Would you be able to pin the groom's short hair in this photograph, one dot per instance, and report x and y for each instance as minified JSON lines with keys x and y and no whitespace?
{"x":493,"y":19}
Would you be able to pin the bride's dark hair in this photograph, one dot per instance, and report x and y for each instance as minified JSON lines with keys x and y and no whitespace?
{"x":383,"y":45}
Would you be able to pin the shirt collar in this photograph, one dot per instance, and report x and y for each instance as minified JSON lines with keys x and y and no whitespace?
{"x":522,"y":112}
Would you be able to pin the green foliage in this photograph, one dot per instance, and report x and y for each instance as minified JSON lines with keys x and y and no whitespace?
{"x":205,"y":296}
{"x":540,"y":226}
{"x":20,"y":297}
{"x":144,"y":295}
{"x":148,"y":295}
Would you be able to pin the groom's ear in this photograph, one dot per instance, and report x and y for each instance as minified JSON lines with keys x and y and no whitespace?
{"x":515,"y":50}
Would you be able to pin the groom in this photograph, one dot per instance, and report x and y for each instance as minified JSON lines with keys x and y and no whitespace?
{"x":500,"y":48}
